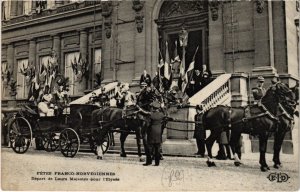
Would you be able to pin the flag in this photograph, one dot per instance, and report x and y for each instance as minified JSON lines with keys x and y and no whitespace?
{"x":176,"y":62}
{"x":188,"y":75}
{"x":167,"y":72}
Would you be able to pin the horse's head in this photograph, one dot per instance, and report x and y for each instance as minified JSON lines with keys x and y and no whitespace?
{"x":287,"y":98}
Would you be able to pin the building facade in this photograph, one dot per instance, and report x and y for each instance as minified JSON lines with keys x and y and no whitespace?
{"x":120,"y":39}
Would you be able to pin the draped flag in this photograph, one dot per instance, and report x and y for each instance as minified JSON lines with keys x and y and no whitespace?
{"x":188,"y":76}
{"x":167,"y":72}
{"x":189,"y":73}
{"x":176,"y":62}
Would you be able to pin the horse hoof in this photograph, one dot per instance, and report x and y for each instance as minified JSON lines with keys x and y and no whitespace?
{"x":276,"y":166}
{"x":123,"y":155}
{"x":210,"y":164}
{"x":99,"y":157}
{"x":263,"y":169}
{"x":237,"y":164}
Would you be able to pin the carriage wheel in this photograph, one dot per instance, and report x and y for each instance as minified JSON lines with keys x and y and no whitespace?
{"x":50,"y":142}
{"x":20,"y":135}
{"x":104,"y":145}
{"x":69,"y":142}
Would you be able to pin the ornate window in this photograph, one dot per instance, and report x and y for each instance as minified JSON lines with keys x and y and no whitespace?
{"x":70,"y":60}
{"x":97,"y":60}
{"x":22,"y":89}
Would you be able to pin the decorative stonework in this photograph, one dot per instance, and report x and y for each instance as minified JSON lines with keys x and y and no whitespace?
{"x":260,"y":4}
{"x":137,"y":6}
{"x":107,"y":8}
{"x":214,"y":8}
{"x":107,"y":27}
{"x":178,"y":8}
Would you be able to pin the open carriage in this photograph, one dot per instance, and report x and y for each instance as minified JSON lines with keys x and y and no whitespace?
{"x":65,"y":131}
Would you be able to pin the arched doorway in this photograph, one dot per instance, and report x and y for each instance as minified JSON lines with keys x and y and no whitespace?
{"x":193,"y":17}
{"x":173,"y":16}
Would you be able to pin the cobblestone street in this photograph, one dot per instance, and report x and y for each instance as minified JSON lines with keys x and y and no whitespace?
{"x":175,"y":173}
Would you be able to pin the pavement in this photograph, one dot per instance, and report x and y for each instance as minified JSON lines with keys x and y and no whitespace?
{"x":174,"y":173}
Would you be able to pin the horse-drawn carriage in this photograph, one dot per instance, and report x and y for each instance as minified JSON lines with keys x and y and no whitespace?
{"x":65,"y":131}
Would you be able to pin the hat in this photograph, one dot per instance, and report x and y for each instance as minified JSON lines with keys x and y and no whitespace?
{"x":199,"y":107}
{"x":260,"y":79}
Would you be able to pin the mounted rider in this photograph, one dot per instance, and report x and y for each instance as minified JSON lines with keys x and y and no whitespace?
{"x":259,"y":91}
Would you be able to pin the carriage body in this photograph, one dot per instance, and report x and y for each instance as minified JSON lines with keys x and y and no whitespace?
{"x":26,"y":125}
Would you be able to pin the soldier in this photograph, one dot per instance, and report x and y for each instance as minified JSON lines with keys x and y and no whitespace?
{"x":199,"y":133}
{"x":154,"y":134}
{"x":145,"y":97}
{"x":259,"y":91}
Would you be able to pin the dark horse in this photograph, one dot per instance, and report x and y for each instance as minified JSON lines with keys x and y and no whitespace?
{"x":112,"y":118}
{"x":287,"y":109}
{"x":134,"y":119}
{"x":258,"y":120}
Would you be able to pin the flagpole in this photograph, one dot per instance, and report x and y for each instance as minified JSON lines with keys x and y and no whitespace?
{"x":194,"y":60}
{"x":190,"y":78}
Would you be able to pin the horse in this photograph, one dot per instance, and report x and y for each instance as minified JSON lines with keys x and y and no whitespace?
{"x":111,"y":118}
{"x":287,"y":109}
{"x":242,"y":120}
{"x":134,"y":119}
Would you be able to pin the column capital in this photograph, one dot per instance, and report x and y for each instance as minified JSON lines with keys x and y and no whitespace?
{"x":55,"y":35}
{"x":31,"y":39}
{"x":83,"y":30}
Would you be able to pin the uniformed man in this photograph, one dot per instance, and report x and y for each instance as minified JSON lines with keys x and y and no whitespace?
{"x":145,"y":98}
{"x":259,"y":91}
{"x":103,"y":98}
{"x":199,"y":133}
{"x":154,"y":134}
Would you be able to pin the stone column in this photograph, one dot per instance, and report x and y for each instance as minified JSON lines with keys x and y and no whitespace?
{"x":32,"y":53}
{"x":216,"y":44}
{"x":33,"y":6}
{"x":263,"y":41}
{"x":20,"y":9}
{"x":13,"y":8}
{"x":83,"y":43}
{"x":84,"y":52}
{"x":11,"y":59}
{"x":57,"y":49}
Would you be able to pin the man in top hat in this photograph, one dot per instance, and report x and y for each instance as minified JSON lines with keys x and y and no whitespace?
{"x":259,"y":91}
{"x":145,"y":77}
